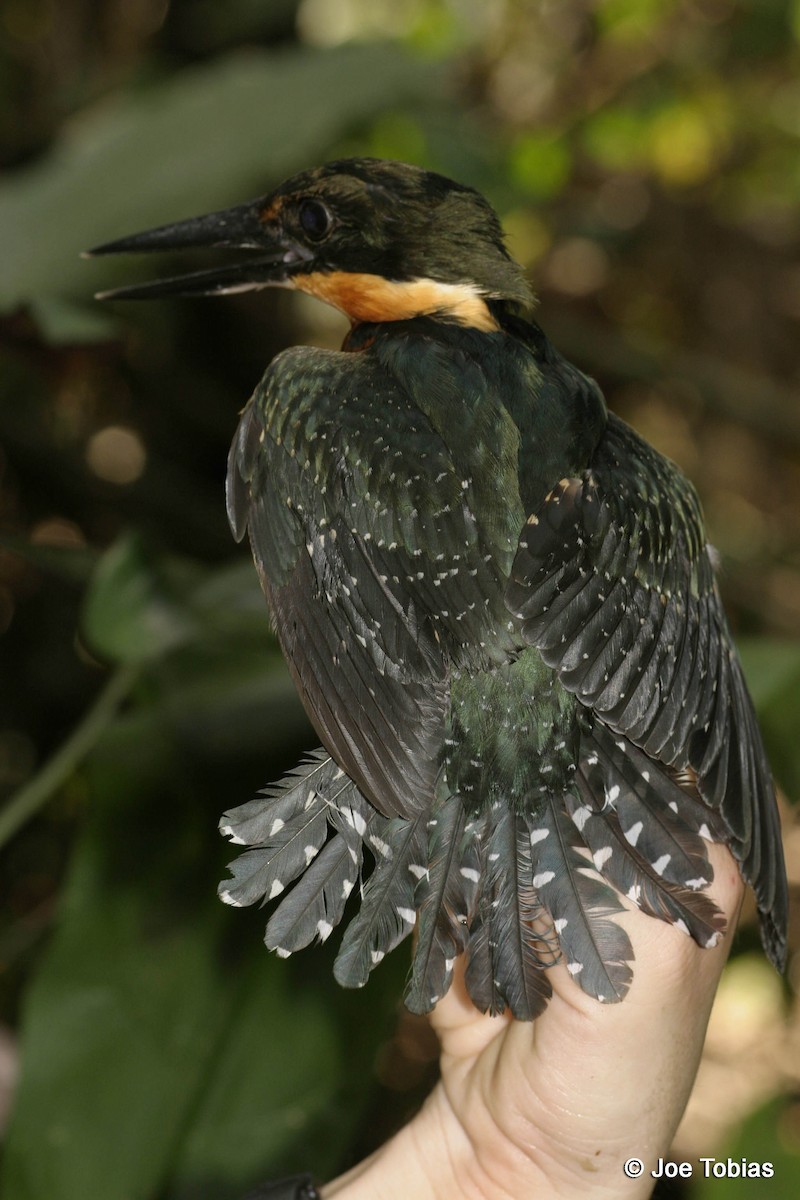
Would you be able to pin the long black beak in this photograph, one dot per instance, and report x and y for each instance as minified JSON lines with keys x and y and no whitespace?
{"x":241,"y":228}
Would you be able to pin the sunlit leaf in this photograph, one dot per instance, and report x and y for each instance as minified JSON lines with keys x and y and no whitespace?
{"x":540,"y":164}
{"x":614,"y":137}
{"x":687,"y":137}
{"x":631,"y":20}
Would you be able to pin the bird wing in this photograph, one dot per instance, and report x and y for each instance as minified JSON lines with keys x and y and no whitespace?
{"x":309,"y":460}
{"x":613,"y":582}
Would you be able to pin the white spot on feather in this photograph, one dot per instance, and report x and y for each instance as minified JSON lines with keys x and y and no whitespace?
{"x":661,"y":864}
{"x":324,"y":929}
{"x":560,"y":924}
{"x":632,"y":834}
{"x":310,"y":852}
{"x":574,"y":968}
{"x":276,"y":827}
{"x":281,"y":953}
{"x":276,"y":889}
{"x":543,"y":878}
{"x":581,"y":816}
{"x":358,"y":822}
{"x":227,"y":831}
{"x":601,"y":857}
{"x":227,"y":898}
{"x":470,"y":873}
{"x":407,"y":914}
{"x":538,"y":835}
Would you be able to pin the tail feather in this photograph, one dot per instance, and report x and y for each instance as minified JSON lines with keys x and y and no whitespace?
{"x":508,"y":951}
{"x":514,"y":891}
{"x":596,"y":949}
{"x":253,"y":824}
{"x":387,"y":913}
{"x":445,"y":901}
{"x":658,"y":818}
{"x":267,"y":870}
{"x":315,"y":905}
{"x":636,"y":879}
{"x":289,"y":824}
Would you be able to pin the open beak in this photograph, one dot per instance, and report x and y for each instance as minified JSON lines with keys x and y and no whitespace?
{"x":240,"y":228}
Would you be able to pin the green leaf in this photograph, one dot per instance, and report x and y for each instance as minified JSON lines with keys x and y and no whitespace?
{"x":541,"y":164}
{"x":276,"y":1075}
{"x":772,"y":668}
{"x":152,"y":1050}
{"x":615,"y":137}
{"x":767,"y":1137}
{"x":632,"y":20}
{"x":211,"y":135}
{"x":134,"y":610}
{"x":71,"y":563}
{"x":142,"y":605}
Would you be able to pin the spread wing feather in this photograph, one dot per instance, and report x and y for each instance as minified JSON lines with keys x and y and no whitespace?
{"x":372,"y":680}
{"x":614,"y":584}
{"x":383,"y":587}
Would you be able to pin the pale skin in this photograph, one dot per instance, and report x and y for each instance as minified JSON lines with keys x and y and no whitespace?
{"x":551,"y":1109}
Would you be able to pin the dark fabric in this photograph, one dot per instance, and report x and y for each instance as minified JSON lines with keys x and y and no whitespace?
{"x":296,"y":1187}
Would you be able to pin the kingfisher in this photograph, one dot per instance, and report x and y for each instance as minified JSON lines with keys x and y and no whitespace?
{"x":498,"y":605}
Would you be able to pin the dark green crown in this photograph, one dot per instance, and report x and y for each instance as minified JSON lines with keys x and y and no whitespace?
{"x":402,"y":222}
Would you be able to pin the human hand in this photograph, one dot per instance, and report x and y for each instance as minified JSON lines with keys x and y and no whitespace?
{"x":555,"y":1107}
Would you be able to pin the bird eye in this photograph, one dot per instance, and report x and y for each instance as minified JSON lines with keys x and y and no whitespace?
{"x":315,"y":219}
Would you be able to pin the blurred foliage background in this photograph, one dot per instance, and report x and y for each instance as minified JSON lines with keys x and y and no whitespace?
{"x":645,"y":158}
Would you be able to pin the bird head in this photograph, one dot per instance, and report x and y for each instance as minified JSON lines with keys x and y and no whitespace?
{"x":379,"y":240}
